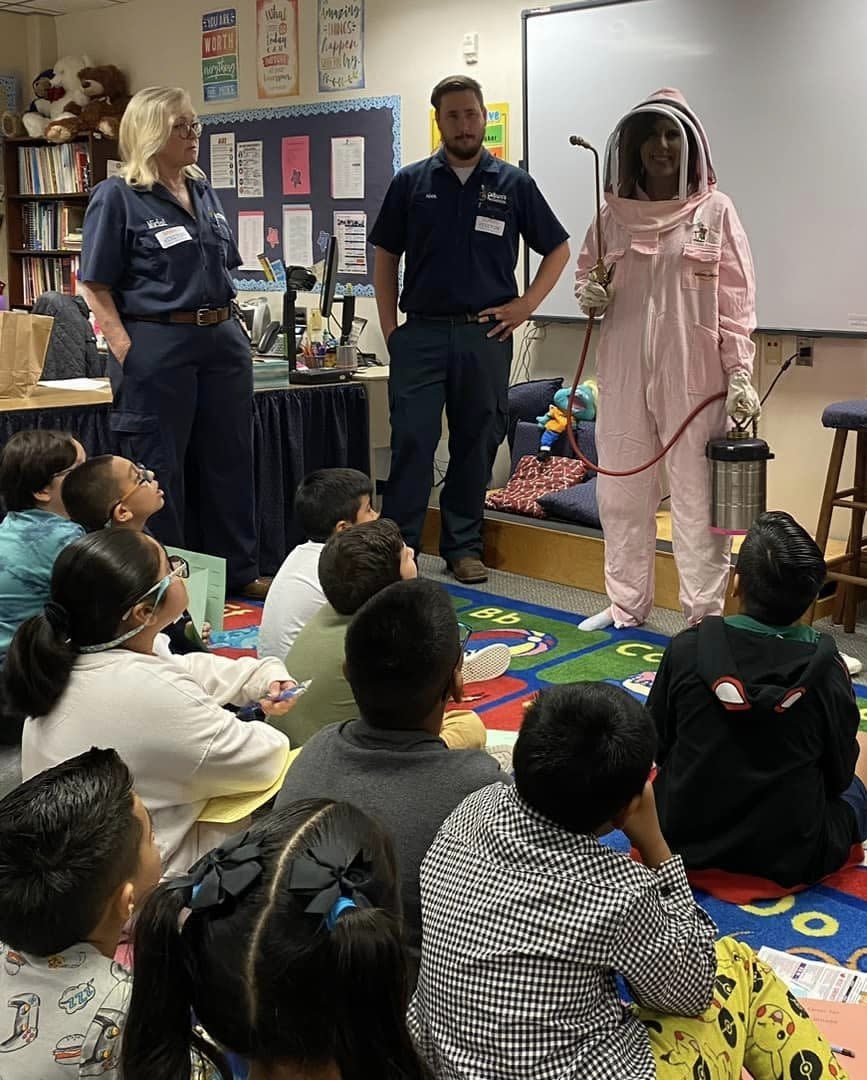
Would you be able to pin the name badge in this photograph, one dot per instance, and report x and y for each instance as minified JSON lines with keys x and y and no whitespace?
{"x":490,"y":225}
{"x":177,"y":234}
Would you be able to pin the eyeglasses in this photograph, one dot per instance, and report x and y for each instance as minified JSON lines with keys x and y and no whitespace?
{"x":464,"y":632}
{"x":184,"y":128}
{"x":143,"y":476}
{"x":178,"y":567}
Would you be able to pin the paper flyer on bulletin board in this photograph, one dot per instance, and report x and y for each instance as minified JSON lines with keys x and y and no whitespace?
{"x":496,"y":133}
{"x":277,"y":48}
{"x":220,"y":55}
{"x":341,"y":45}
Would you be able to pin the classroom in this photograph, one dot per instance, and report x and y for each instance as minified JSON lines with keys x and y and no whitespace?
{"x":433,"y":467}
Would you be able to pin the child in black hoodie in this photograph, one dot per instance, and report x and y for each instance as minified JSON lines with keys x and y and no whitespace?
{"x":758,"y":755}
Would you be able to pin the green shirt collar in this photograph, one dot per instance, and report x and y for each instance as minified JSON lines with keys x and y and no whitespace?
{"x":797,"y":632}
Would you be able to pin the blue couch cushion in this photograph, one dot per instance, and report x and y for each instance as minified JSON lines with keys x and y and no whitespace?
{"x":527,"y":400}
{"x":576,"y":504}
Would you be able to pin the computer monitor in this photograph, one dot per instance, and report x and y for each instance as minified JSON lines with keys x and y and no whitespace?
{"x":328,"y":298}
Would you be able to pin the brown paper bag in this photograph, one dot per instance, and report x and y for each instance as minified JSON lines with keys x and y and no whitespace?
{"x":23,"y":345}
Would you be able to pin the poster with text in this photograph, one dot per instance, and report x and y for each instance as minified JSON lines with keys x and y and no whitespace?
{"x":341,"y":45}
{"x":496,"y":132}
{"x":220,"y":55}
{"x":277,"y":48}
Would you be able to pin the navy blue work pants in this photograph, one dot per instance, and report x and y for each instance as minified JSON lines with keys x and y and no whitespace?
{"x":451,"y":364}
{"x":183,"y":406}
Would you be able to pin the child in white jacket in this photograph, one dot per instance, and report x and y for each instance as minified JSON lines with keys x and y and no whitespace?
{"x":85,"y":673}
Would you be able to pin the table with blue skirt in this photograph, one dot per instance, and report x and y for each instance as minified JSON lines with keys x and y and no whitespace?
{"x":297,"y":429}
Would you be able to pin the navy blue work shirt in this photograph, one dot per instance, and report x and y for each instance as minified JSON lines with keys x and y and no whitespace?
{"x":461,"y":240}
{"x":156,"y":256}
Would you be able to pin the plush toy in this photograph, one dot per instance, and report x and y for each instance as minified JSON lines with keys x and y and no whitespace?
{"x":43,"y":94}
{"x":65,"y":79}
{"x":106,"y":90}
{"x":555,"y":420}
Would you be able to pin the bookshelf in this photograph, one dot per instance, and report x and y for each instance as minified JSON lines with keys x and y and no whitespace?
{"x":47,"y":188}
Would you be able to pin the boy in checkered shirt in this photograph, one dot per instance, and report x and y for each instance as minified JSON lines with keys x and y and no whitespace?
{"x":527,"y":918}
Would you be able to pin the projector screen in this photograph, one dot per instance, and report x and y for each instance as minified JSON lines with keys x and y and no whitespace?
{"x":781,"y":88}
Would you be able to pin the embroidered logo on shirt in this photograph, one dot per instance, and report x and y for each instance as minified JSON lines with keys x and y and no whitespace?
{"x":430,"y":195}
{"x":156,"y":223}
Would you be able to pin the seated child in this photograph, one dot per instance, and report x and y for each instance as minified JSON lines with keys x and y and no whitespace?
{"x":527,"y":918}
{"x":78,"y":856}
{"x":84,"y":672}
{"x":112,"y":492}
{"x":327,"y":501}
{"x":285,"y":944}
{"x":757,"y":728}
{"x":403,"y":663}
{"x":36,"y":527}
{"x":355,"y":564}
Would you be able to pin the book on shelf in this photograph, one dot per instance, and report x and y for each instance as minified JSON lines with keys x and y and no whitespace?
{"x":50,"y":226}
{"x":61,"y":169}
{"x":54,"y":274}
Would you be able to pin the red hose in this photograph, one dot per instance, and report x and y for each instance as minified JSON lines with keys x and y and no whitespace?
{"x":570,"y":431}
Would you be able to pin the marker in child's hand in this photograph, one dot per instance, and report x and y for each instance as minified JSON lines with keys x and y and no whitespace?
{"x":293,"y":691}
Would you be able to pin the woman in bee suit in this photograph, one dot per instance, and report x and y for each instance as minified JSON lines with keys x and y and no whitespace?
{"x":679,"y":310}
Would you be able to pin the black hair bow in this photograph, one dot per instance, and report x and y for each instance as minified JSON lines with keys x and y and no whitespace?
{"x":227,"y":871}
{"x":330,"y":872}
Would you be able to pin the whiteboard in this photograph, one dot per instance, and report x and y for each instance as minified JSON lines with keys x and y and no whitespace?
{"x":781,"y":87}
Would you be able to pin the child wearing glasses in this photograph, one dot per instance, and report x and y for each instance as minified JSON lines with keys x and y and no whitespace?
{"x":112,"y":492}
{"x":85,"y":673}
{"x":404,"y":654}
{"x":36,"y":527}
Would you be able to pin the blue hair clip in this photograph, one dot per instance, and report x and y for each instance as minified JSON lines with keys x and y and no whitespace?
{"x":341,"y":904}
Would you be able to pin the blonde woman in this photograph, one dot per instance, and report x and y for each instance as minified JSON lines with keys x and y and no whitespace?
{"x":155,"y":269}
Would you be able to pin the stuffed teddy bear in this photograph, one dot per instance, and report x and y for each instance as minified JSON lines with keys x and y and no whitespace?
{"x":106,"y":90}
{"x":65,"y":79}
{"x":555,"y":420}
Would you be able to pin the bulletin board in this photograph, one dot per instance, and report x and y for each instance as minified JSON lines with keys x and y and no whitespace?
{"x":297,"y":147}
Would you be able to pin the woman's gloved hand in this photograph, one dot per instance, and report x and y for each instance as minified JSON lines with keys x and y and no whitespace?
{"x":593,"y":298}
{"x":742,"y":401}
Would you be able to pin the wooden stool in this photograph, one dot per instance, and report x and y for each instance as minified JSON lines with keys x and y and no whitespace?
{"x":847,"y":569}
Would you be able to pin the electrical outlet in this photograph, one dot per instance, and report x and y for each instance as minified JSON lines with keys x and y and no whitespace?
{"x":314,"y":320}
{"x":804,"y":352}
{"x":772,"y":351}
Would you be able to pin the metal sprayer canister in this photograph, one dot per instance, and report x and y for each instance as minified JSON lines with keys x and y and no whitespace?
{"x":738,"y":461}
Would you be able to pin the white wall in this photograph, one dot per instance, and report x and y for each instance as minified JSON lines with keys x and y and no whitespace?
{"x":411,"y":44}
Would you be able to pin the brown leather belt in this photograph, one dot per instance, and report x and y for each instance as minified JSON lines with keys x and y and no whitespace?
{"x":203,"y":317}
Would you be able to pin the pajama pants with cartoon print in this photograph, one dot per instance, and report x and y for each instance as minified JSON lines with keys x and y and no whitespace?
{"x":753,"y":1023}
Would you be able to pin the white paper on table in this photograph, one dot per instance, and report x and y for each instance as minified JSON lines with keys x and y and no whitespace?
{"x":251,"y":237}
{"x":350,"y":228}
{"x":298,"y":235}
{"x":223,"y":160}
{"x":251,"y":182}
{"x":347,"y":168}
{"x":75,"y":384}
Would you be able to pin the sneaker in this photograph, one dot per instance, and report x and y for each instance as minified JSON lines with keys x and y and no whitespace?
{"x":488,"y":663}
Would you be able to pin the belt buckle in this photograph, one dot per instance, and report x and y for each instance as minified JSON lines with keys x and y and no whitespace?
{"x":202,"y":318}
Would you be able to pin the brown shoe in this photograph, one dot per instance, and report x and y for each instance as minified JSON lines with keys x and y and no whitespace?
{"x":469,"y":570}
{"x":257,"y":588}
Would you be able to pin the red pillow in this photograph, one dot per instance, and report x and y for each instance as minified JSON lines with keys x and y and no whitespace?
{"x":532,"y":479}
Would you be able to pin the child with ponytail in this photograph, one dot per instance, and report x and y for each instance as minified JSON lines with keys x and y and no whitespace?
{"x":285,"y":944}
{"x":84,"y":672}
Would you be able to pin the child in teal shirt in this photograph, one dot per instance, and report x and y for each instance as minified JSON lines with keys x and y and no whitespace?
{"x":34,"y":531}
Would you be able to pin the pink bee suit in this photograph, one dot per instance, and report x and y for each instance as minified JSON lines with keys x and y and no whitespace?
{"x":676,"y":329}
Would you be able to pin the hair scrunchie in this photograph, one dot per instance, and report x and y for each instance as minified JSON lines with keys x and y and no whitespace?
{"x":58,"y":618}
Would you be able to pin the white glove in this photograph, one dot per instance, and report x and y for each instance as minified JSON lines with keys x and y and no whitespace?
{"x":593,"y":297}
{"x":742,"y":401}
